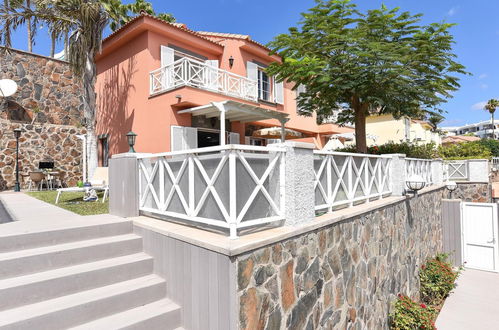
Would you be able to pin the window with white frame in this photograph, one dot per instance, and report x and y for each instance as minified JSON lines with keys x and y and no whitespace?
{"x":265,"y":83}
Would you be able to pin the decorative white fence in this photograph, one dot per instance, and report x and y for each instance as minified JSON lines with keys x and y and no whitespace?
{"x":456,"y":170}
{"x":232,"y":186}
{"x":421,"y":167}
{"x":347,"y":178}
{"x":189,"y":72}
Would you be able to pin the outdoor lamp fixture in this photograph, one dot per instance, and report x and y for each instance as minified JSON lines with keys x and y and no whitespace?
{"x":131,"y":136}
{"x":415,"y":183}
{"x":231,"y":62}
{"x":451,"y":186}
{"x":17,"y":134}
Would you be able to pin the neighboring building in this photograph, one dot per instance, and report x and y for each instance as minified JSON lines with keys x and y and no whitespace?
{"x":171,"y":86}
{"x":385,"y":128}
{"x":453,"y":139}
{"x":482,"y":129}
{"x":48,"y":108}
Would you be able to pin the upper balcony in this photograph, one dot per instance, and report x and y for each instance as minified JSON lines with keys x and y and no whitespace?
{"x":189,"y":72}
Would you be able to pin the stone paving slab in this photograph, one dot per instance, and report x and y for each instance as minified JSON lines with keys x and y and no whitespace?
{"x":474,"y":304}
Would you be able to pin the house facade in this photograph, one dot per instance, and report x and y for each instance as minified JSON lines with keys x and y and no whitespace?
{"x":181,"y":89}
{"x":481,"y":129}
{"x":385,"y":128}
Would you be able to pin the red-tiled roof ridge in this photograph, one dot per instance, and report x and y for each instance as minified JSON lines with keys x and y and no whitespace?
{"x":234,"y":36}
{"x":179,"y":26}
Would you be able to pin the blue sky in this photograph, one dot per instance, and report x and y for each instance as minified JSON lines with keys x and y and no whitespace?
{"x":476,"y":35}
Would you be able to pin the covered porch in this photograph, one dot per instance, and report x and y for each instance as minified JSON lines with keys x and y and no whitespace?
{"x":225,"y":111}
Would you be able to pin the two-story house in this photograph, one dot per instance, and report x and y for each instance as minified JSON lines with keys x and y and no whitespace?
{"x":179,"y":89}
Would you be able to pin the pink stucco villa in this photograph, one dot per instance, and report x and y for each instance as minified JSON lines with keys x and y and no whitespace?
{"x":180,"y":89}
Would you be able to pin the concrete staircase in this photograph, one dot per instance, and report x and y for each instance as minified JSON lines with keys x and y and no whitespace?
{"x":91,"y":275}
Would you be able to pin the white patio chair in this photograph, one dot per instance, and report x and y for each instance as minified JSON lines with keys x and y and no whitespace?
{"x":99,"y":182}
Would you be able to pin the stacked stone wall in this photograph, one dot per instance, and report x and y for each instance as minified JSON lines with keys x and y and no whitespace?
{"x":473,"y":192}
{"x":344,"y":276}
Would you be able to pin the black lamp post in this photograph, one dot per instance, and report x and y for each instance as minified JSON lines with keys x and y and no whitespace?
{"x":131,"y":136}
{"x":231,"y":62}
{"x":17,"y":134}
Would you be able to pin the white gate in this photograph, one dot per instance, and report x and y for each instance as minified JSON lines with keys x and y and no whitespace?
{"x":480,"y":237}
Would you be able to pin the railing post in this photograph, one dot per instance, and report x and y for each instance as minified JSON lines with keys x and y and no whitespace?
{"x":232,"y":195}
{"x":397,"y":177}
{"x":329,"y":178}
{"x":299,"y":184}
{"x":124,"y":185}
{"x":437,"y":171}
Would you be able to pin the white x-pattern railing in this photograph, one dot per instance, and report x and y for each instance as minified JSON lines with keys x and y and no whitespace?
{"x":189,"y":72}
{"x":232,"y":186}
{"x":346,"y":178}
{"x":421,"y":167}
{"x":456,"y":170}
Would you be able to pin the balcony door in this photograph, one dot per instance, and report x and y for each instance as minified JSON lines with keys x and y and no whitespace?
{"x":184,"y":138}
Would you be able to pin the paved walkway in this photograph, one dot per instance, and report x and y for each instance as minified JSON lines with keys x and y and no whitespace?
{"x":474,"y":304}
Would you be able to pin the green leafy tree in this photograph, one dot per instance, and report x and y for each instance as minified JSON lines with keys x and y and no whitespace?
{"x":120,"y":13}
{"x":362,"y":64}
{"x":491,"y":107}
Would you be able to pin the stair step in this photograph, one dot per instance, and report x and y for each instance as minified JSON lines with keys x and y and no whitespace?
{"x":23,"y":236}
{"x":32,"y":288}
{"x":85,"y":306}
{"x":163,"y":314}
{"x":29,"y":261}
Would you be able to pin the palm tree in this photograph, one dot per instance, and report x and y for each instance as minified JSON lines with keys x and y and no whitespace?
{"x":86,"y":19}
{"x":29,"y":22}
{"x":491,"y":106}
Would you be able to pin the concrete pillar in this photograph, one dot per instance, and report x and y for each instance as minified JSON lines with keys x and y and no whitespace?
{"x":397,"y":176}
{"x":437,"y":171}
{"x":478,"y":170}
{"x":299,"y":182}
{"x":124,"y":185}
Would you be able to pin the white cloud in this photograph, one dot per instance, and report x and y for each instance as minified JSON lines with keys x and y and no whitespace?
{"x":453,"y":11}
{"x":484,"y":86}
{"x":483,"y":76}
{"x":479,"y":105}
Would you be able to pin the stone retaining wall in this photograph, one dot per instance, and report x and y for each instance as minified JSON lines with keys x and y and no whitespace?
{"x":342,"y":276}
{"x":37,"y":143}
{"x":473,"y":192}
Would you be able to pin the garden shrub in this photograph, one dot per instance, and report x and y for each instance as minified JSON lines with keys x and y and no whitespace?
{"x":466,"y":150}
{"x":492,"y":145}
{"x":408,"y":315}
{"x":412,"y":150}
{"x":437,"y":280}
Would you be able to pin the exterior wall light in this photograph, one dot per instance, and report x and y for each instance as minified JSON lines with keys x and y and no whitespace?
{"x":131,"y":136}
{"x":231,"y":62}
{"x":415,"y":183}
{"x":451,"y":186}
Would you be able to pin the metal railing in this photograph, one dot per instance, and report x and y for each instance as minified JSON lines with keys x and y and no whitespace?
{"x":345,"y":179}
{"x":421,"y":167}
{"x":189,"y":72}
{"x":232,"y":186}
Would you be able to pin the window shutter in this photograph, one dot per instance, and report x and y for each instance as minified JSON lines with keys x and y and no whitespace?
{"x":279,"y":92}
{"x":247,"y":140}
{"x":252,"y":73}
{"x":167,"y":56}
{"x":177,"y":137}
{"x":234,"y":138}
{"x":211,"y":75}
{"x":190,"y":138}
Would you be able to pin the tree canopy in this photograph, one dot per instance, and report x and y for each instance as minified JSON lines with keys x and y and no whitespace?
{"x":362,"y":64}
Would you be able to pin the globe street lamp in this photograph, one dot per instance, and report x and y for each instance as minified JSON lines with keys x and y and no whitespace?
{"x":415,"y":183}
{"x":17,"y":134}
{"x":451,"y":186}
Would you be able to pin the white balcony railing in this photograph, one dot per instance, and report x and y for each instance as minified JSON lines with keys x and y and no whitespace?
{"x":189,"y":72}
{"x":456,"y":170}
{"x":344,"y":179}
{"x":232,"y":186}
{"x":421,"y":167}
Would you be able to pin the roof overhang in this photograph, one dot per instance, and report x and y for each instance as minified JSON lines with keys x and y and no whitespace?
{"x":236,"y":111}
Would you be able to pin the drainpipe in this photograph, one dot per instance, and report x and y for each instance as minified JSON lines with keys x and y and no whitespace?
{"x":84,"y":142}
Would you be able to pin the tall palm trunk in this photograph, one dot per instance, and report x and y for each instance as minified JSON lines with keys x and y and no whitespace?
{"x":30,"y":32}
{"x":52,"y":46}
{"x":493,"y":125}
{"x":89,"y":79}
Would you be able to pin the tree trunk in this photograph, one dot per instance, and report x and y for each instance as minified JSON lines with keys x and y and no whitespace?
{"x":30,"y":32}
{"x":360,"y":125}
{"x":66,"y":45}
{"x":89,"y":105}
{"x":52,"y":46}
{"x":493,"y":126}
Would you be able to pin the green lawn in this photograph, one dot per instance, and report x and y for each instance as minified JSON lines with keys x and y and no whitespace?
{"x":73,"y":201}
